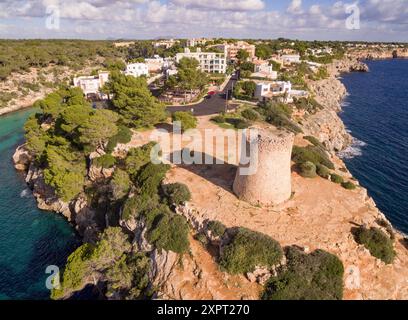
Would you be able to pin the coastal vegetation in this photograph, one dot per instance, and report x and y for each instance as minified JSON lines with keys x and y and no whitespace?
{"x":20,"y":56}
{"x":376,"y":241}
{"x":314,"y":276}
{"x":248,"y":249}
{"x":279,"y":115}
{"x":186,"y":119}
{"x":311,"y":154}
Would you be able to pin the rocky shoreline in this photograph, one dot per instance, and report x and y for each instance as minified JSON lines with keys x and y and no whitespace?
{"x":325,"y":125}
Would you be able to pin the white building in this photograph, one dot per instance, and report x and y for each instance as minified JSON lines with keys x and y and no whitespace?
{"x":196,"y":42}
{"x":265,"y":90}
{"x":92,"y":85}
{"x":210,"y":62}
{"x":165,"y":43}
{"x":155,"y":64}
{"x":264,"y":70}
{"x":290,"y":58}
{"x":137,"y":69}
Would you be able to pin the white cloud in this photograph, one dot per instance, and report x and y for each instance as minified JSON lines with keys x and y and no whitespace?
{"x":295,"y":7}
{"x":228,"y":5}
{"x":229,"y":18}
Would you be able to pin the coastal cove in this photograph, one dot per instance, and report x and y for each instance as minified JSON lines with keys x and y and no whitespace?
{"x":30,"y":239}
{"x":376,"y":113}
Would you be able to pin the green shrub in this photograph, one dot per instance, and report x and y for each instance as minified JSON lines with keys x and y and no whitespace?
{"x":279,"y":115}
{"x":170,"y":232}
{"x":139,"y":205}
{"x":314,"y":141}
{"x":336,"y":178}
{"x":137,"y":158}
{"x":388,"y":227}
{"x":376,"y":241}
{"x":312,"y":154}
{"x":308,"y":104}
{"x":77,"y":267}
{"x":217,"y":228}
{"x":201,"y":237}
{"x":218,"y":119}
{"x":323,"y":171}
{"x":176,"y":193}
{"x":238,"y":123}
{"x":349,"y":185}
{"x":188,"y":121}
{"x":151,"y":176}
{"x":124,"y":135}
{"x":120,"y":184}
{"x":106,"y":161}
{"x":250,"y":114}
{"x":307,"y":169}
{"x":314,"y":276}
{"x":248,"y":249}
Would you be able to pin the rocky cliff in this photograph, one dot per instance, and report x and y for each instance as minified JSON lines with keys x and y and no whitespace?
{"x":325,"y":124}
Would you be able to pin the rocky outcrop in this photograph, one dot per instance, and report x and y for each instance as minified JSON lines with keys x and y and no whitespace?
{"x":22,"y":158}
{"x":325,"y":124}
{"x":162,"y":264}
{"x":44,"y":194}
{"x":76,"y":211}
{"x":379,"y":53}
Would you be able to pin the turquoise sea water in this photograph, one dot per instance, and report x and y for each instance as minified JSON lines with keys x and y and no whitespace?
{"x":30,"y":239}
{"x":376,"y":113}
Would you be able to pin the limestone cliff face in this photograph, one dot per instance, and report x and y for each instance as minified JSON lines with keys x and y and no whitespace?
{"x":326,"y":124}
{"x":379,"y":53}
{"x":76,"y":211}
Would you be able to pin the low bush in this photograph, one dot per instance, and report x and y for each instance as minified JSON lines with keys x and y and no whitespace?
{"x":218,"y":119}
{"x":170,"y":232}
{"x":217,"y":228}
{"x":238,"y":123}
{"x":348,"y":185}
{"x":139,"y":205}
{"x":323,"y":171}
{"x":314,"y":276}
{"x":176,"y":193}
{"x":137,"y":158}
{"x":308,"y":104}
{"x":250,"y":114}
{"x":124,"y":135}
{"x":336,"y":178}
{"x":120,"y":184}
{"x":307,"y":170}
{"x":106,"y":161}
{"x":187,"y":120}
{"x":388,"y":227}
{"x":314,"y":141}
{"x":376,"y":241}
{"x":151,"y":176}
{"x":248,"y":249}
{"x":312,"y":154}
{"x":279,"y":115}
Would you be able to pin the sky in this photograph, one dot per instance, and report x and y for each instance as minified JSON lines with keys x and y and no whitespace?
{"x":368,"y":20}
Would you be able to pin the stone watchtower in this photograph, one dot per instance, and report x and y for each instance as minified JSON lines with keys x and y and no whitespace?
{"x":270,"y":184}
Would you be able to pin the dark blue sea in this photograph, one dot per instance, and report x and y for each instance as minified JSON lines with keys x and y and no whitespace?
{"x":30,"y":239}
{"x":376,"y":113}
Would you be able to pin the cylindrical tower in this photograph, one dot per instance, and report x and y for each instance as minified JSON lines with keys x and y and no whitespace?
{"x":270,"y":183}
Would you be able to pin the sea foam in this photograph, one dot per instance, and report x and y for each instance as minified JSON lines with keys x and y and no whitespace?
{"x":26,"y":193}
{"x":354,"y":150}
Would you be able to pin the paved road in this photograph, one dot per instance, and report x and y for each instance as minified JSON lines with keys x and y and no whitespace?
{"x":215,"y":104}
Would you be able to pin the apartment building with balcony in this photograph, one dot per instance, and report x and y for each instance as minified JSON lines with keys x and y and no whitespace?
{"x":231,"y":50}
{"x":210,"y":62}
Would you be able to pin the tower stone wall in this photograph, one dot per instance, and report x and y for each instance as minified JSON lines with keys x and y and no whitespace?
{"x":271,"y":182}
